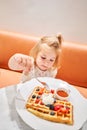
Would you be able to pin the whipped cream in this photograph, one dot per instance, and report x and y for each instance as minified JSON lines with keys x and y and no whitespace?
{"x":47,"y":98}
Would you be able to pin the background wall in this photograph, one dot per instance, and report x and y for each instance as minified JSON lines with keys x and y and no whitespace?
{"x":46,"y":17}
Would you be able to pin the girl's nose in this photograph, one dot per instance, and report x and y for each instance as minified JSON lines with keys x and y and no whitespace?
{"x":47,"y":62}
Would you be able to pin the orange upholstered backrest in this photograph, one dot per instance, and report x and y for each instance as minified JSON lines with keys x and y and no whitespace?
{"x":73,"y":63}
{"x":11,"y":43}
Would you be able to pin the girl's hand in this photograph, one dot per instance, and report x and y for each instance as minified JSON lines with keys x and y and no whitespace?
{"x":21,"y":62}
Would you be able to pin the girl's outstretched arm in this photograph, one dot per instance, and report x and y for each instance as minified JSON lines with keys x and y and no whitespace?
{"x":20,"y":62}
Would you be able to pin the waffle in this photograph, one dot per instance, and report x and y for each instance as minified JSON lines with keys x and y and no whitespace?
{"x":59,"y":111}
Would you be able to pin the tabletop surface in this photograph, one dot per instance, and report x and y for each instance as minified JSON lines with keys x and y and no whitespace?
{"x":9,"y":118}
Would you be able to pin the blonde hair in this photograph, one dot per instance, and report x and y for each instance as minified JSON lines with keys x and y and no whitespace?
{"x":52,"y":41}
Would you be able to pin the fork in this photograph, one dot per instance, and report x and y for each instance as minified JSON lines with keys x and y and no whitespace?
{"x":43,"y":83}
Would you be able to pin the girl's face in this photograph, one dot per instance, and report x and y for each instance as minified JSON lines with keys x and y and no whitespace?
{"x":45,"y":58}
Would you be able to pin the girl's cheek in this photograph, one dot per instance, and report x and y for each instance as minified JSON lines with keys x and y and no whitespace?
{"x":50,"y":64}
{"x":38,"y":61}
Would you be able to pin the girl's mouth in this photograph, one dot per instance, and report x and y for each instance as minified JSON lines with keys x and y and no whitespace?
{"x":43,"y":68}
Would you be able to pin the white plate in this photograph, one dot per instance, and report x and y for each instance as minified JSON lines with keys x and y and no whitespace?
{"x":78,"y":101}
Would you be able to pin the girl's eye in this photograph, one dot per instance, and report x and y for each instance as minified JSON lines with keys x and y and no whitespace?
{"x":42,"y":57}
{"x":51,"y":60}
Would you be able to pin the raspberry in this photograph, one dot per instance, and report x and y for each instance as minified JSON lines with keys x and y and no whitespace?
{"x":52,"y":91}
{"x":57,"y":107}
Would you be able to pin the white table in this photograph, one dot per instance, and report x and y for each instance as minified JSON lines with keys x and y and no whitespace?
{"x":9,"y":119}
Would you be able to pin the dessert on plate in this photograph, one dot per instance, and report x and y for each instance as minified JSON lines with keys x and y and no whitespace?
{"x":44,"y":104}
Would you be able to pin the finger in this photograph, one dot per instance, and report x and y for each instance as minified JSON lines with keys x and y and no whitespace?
{"x":18,"y":59}
{"x":29,"y":63}
{"x":24,"y":62}
{"x":32,"y":60}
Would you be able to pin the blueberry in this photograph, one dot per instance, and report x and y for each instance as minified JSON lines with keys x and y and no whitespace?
{"x":37,"y":89}
{"x":38,"y":97}
{"x":33,"y":96}
{"x":51,"y":107}
{"x":52,"y":113}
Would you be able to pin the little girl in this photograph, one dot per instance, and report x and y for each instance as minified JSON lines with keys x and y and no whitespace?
{"x":43,"y":59}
